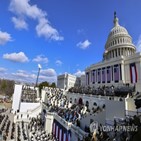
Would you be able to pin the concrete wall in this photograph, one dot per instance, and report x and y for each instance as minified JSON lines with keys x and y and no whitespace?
{"x":90,"y":98}
{"x":115,"y":108}
{"x":49,"y":122}
{"x":17,"y":97}
{"x":26,"y":115}
{"x":83,"y":80}
{"x":24,"y":107}
{"x":130,"y":106}
{"x":99,"y":117}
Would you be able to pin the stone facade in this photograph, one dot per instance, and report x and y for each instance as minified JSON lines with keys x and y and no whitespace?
{"x":120,"y":65}
{"x":67,"y":81}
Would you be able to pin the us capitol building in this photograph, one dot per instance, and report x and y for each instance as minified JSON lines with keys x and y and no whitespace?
{"x":108,"y":95}
{"x":121,"y":63}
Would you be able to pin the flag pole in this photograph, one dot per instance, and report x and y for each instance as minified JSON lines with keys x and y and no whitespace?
{"x":39,"y":68}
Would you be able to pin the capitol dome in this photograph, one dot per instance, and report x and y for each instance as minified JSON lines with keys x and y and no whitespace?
{"x":119,"y":42}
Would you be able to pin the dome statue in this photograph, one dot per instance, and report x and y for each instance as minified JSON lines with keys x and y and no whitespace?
{"x":119,"y":42}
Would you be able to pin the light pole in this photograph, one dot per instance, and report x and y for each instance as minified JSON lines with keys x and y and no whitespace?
{"x":39,"y":68}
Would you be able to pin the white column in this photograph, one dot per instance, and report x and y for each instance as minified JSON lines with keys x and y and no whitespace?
{"x":114,"y":53}
{"x":105,"y":74}
{"x":120,"y":51}
{"x":119,"y":71}
{"x":122,"y":71}
{"x":113,"y":74}
{"x":125,"y":52}
{"x":92,"y":76}
{"x":86,"y":79}
{"x":101,"y":75}
{"x":129,"y":51}
{"x":95,"y":75}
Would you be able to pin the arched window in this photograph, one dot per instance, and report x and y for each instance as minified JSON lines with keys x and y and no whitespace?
{"x":95,"y":104}
{"x":80,"y":101}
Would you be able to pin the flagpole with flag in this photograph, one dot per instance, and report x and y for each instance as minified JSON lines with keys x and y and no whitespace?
{"x":39,"y":68}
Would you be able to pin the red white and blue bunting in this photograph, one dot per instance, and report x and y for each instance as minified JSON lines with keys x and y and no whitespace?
{"x":133,"y":73}
{"x":60,"y":132}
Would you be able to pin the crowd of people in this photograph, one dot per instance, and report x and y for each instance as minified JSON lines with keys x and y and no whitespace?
{"x":37,"y":132}
{"x":55,"y":97}
{"x":21,"y":132}
{"x":29,"y":94}
{"x":130,"y":132}
{"x":58,"y":103}
{"x":104,"y":90}
{"x":5,"y":127}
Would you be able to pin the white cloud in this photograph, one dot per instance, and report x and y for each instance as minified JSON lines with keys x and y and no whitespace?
{"x":79,"y":73}
{"x":58,"y":62}
{"x":138,"y":45}
{"x":24,"y":9}
{"x":19,"y":23}
{"x":24,"y":76}
{"x":16,"y":57}
{"x":46,"y":30}
{"x":21,"y":75}
{"x":2,"y":70}
{"x":21,"y":71}
{"x":40,"y":58}
{"x":45,"y":75}
{"x":48,"y":72}
{"x":4,"y":37}
{"x":84,"y":45}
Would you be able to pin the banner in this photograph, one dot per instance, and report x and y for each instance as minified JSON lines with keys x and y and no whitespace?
{"x":108,"y":74}
{"x":60,"y":135}
{"x":116,"y":73}
{"x":133,"y":73}
{"x":103,"y":75}
{"x":99,"y":75}
{"x":60,"y":132}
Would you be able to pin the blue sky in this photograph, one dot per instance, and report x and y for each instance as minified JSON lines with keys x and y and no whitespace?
{"x":61,"y":35}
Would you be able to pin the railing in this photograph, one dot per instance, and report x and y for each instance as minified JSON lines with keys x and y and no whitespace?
{"x":68,"y":125}
{"x":88,"y":95}
{"x":32,"y":110}
{"x":132,"y":113}
{"x":62,"y":121}
{"x":27,"y":133}
{"x":78,"y":130}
